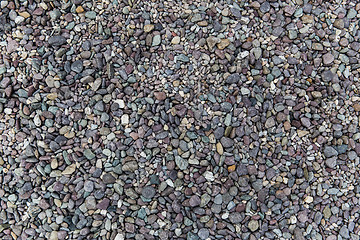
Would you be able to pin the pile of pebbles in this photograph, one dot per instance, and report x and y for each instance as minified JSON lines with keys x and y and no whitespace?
{"x":179,"y":120}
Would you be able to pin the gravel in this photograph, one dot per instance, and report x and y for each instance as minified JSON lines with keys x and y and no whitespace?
{"x":168,"y":120}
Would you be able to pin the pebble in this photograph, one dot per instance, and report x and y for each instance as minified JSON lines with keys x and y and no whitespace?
{"x":253,"y":225}
{"x":148,"y":192}
{"x":328,"y":58}
{"x":330,"y":151}
{"x":57,"y":40}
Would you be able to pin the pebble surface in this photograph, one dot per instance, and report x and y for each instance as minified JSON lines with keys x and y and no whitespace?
{"x":179,"y":120}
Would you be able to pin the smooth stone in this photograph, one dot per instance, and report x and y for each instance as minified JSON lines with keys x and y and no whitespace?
{"x":233,"y":78}
{"x":90,"y":14}
{"x":89,"y":154}
{"x":253,"y":225}
{"x":108,"y":178}
{"x":265,"y":7}
{"x":57,"y":40}
{"x":148,"y":192}
{"x":156,"y":40}
{"x":88,"y":186}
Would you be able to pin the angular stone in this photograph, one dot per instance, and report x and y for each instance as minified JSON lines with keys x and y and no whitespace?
{"x":108,"y":178}
{"x":194,"y":201}
{"x":233,"y":78}
{"x":181,"y":163}
{"x":331,"y":162}
{"x":330,"y":151}
{"x":270,"y":122}
{"x":328,"y":58}
{"x":130,"y":166}
{"x":235,"y":217}
{"x":212,"y":41}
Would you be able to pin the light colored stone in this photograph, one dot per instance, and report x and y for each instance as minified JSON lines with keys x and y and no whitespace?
{"x":148,"y":27}
{"x":69,"y":169}
{"x":219,"y":148}
{"x":175,"y":40}
{"x":125,"y":119}
{"x":308,"y":199}
{"x":223,"y":44}
{"x":253,"y":225}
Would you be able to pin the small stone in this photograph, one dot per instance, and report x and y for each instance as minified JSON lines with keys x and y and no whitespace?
{"x":203,"y":233}
{"x":24,"y":14}
{"x":57,"y":40}
{"x":327,"y":212}
{"x":351,"y":13}
{"x":181,"y":163}
{"x":88,"y":186}
{"x":89,"y":154}
{"x":331,"y":162}
{"x":308,"y":199}
{"x":270,"y":122}
{"x":53,"y":235}
{"x":253,"y":225}
{"x":130,"y":166}
{"x":104,"y":204}
{"x":356,"y":107}
{"x":69,"y":169}
{"x":219,"y":148}
{"x":227,"y":142}
{"x":148,"y":192}
{"x":191,"y":236}
{"x":305,"y":122}
{"x":99,"y":106}
{"x":79,"y":9}
{"x":194,"y":201}
{"x":265,"y":7}
{"x":277,"y":31}
{"x":77,"y":66}
{"x":339,"y":23}
{"x":175,"y":40}
{"x":328,"y":58}
{"x":327,"y":76}
{"x":108,"y":178}
{"x":330,"y":151}
{"x":19,"y":19}
{"x":344,"y":232}
{"x":233,"y":78}
{"x":235,"y":217}
{"x":55,"y":14}
{"x":156,"y":40}
{"x":125,"y":119}
{"x":307,"y":19}
{"x":161,"y":96}
{"x":148,"y":27}
{"x":212,"y":41}
{"x":317,"y":46}
{"x":223,"y":44}
{"x":90,"y":15}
